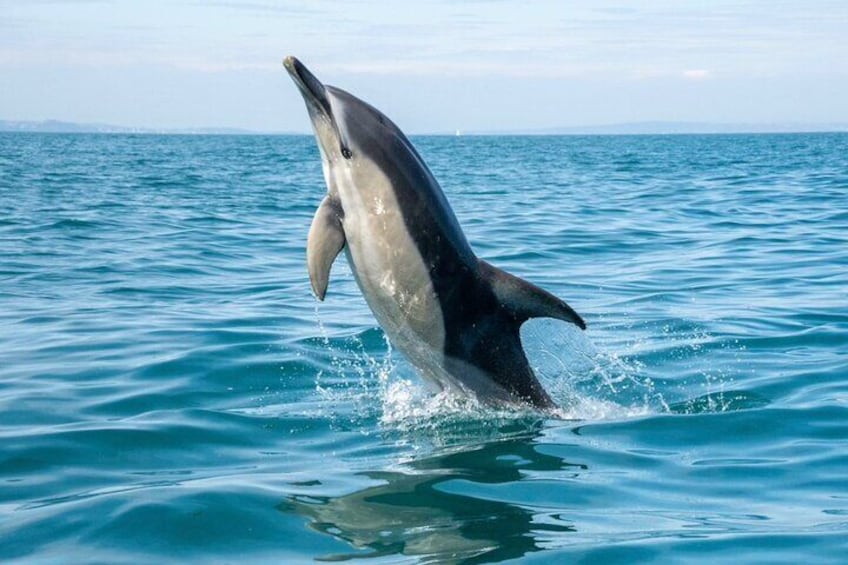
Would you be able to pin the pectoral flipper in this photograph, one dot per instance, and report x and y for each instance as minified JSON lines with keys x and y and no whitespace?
{"x":326,"y":239}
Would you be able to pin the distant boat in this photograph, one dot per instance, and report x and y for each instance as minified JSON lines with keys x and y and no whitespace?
{"x":458,"y":133}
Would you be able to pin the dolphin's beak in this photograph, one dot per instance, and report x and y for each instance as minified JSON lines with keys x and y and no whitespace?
{"x":311,"y":88}
{"x":315,"y":95}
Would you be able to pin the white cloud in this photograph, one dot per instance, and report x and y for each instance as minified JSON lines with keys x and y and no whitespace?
{"x":696,"y":74}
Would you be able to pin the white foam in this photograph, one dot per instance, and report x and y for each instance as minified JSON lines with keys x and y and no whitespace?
{"x":587,"y":384}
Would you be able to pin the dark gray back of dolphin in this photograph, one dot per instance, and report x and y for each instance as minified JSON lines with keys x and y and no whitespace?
{"x":481,"y":308}
{"x":425,"y":208}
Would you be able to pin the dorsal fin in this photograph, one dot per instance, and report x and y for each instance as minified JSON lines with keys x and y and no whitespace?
{"x":524,"y":300}
{"x":326,"y":238}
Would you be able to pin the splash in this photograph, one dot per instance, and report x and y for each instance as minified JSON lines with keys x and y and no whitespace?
{"x":370,"y":383}
{"x":367,"y":382}
{"x":588,"y":383}
{"x":722,"y":401}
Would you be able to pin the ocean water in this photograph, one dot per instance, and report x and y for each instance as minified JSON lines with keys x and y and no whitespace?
{"x":170,"y":389}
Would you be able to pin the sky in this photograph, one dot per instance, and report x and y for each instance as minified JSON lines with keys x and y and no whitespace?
{"x":430,"y":65}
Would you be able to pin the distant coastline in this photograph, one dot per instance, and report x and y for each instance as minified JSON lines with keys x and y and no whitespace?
{"x":59,"y":126}
{"x":671,"y":128}
{"x":631,"y":128}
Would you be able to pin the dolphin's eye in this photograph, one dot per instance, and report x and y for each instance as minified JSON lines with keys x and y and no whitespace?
{"x":346,"y":153}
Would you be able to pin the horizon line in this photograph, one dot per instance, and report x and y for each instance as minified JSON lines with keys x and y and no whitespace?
{"x":644,"y":127}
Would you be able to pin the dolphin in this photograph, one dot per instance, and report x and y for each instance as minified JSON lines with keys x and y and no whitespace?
{"x":455,"y":317}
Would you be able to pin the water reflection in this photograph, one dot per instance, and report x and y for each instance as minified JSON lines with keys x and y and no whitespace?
{"x":426,"y":509}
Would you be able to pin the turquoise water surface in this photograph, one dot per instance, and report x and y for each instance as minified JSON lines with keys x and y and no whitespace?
{"x":171,"y":391}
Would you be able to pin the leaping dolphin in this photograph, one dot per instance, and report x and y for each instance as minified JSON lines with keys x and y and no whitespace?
{"x":455,"y":317}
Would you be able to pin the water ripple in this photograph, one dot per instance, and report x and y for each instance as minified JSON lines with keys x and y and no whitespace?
{"x":169,"y":389}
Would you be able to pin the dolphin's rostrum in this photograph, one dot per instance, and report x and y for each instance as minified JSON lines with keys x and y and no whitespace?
{"x":455,"y":317}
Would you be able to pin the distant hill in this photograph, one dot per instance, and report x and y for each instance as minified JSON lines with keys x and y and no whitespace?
{"x":634,"y":128}
{"x":657,"y":127}
{"x":61,"y":127}
{"x":57,"y":126}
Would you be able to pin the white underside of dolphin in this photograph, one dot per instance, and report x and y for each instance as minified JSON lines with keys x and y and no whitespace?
{"x":455,"y":318}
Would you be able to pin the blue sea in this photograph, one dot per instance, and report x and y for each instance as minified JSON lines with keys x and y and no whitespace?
{"x":171,"y":391}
